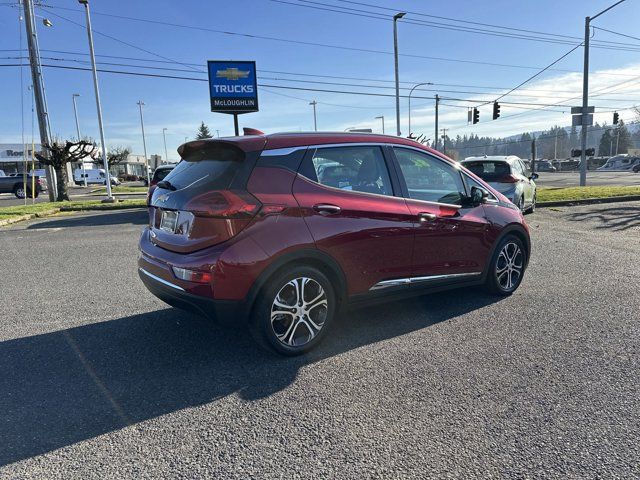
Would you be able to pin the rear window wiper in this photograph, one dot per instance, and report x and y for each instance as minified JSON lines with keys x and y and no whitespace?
{"x":166,"y":185}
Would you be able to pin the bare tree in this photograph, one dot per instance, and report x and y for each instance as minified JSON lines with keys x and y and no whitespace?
{"x":118,"y":155}
{"x":63,"y":152}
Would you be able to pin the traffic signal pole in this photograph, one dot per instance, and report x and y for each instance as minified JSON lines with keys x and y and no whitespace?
{"x":436,"y":137}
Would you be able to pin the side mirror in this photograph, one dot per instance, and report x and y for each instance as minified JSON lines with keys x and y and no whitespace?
{"x":534,"y":176}
{"x":478,"y":195}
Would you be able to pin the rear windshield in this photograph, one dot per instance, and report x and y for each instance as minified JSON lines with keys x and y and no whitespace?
{"x":489,"y":171}
{"x":213,"y":167}
{"x":160,"y":173}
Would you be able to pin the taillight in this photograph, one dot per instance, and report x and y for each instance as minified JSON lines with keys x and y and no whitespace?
{"x":192,"y":275}
{"x":224,"y":204}
{"x":508,"y":179}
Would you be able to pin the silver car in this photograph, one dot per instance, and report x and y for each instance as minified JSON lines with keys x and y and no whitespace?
{"x":509,"y":175}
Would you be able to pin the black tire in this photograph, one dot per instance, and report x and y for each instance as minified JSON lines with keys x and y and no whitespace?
{"x":275,"y":335}
{"x":520,"y":203}
{"x":19,"y":191}
{"x":496,"y":282}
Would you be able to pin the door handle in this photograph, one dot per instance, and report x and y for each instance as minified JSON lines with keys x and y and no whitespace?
{"x":326,"y":208}
{"x":427,"y":217}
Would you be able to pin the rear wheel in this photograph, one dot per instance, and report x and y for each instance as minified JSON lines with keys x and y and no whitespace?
{"x":532,"y":208}
{"x":507,"y":266}
{"x":520,"y":203}
{"x":293,"y":311}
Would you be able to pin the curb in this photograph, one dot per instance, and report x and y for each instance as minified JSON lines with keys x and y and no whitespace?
{"x":48,"y":213}
{"x":588,"y":201}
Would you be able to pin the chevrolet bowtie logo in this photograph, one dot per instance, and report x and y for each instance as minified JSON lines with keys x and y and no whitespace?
{"x":232,"y":73}
{"x":163,"y":198}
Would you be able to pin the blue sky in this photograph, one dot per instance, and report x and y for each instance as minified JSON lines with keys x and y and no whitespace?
{"x":180,"y":105}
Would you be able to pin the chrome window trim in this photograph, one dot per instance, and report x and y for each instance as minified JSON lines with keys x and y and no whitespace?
{"x":429,"y":278}
{"x":280,"y":151}
{"x":399,"y":197}
{"x":161,"y":280}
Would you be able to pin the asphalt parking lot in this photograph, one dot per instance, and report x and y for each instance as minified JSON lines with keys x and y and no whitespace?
{"x":572,"y":179}
{"x":101,"y":380}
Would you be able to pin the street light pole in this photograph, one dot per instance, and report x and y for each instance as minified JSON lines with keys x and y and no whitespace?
{"x":315,"y":119}
{"x":164,"y":138}
{"x":436,"y":137}
{"x":98,"y":106}
{"x":410,"y":92}
{"x":75,"y":112}
{"x":381,"y":117}
{"x":396,"y":17}
{"x":144,"y":143}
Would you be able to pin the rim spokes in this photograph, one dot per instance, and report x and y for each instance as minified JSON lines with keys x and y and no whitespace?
{"x":509,"y":266}
{"x":295,"y":319}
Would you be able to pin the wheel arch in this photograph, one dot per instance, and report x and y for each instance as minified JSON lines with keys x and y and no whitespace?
{"x":307,"y":257}
{"x":519,"y":232}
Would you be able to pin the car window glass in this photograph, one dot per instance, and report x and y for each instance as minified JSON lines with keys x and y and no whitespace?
{"x":428,"y":178}
{"x":517,"y":168}
{"x":472,"y":183}
{"x":359,"y":169}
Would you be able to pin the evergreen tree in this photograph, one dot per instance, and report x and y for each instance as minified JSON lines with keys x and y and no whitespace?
{"x":622,"y":138}
{"x":203,"y":132}
{"x":605,"y":148}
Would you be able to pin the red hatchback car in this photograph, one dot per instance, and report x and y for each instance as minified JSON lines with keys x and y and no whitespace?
{"x":282,"y":231}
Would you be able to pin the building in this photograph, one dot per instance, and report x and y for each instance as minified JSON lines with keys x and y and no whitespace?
{"x":13,"y":156}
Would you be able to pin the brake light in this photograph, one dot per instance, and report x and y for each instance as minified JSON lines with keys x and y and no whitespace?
{"x":226,"y":204}
{"x":508,"y":179}
{"x":192,"y":275}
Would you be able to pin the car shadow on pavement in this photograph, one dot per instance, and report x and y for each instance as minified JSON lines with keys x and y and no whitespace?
{"x":63,"y":387}
{"x":614,"y":218}
{"x":131,"y":217}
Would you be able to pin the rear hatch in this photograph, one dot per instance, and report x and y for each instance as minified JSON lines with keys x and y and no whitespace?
{"x":203,"y":202}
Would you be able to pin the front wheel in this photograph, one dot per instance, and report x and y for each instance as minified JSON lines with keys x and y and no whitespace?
{"x":294,"y":310}
{"x":507,"y":266}
{"x":19,"y":192}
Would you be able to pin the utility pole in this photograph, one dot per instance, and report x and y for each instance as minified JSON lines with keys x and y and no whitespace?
{"x":98,"y":106}
{"x":533,"y":155}
{"x":617,"y":138}
{"x":75,"y":112}
{"x":218,"y":133}
{"x":585,"y":94}
{"x":38,"y":91}
{"x":555,"y":147}
{"x":444,"y":140}
{"x":144,"y":143}
{"x":436,"y":137}
{"x":315,"y":120}
{"x":164,"y":137}
{"x":397,"y":17}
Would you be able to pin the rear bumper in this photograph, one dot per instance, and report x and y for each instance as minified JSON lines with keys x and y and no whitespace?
{"x":226,"y":312}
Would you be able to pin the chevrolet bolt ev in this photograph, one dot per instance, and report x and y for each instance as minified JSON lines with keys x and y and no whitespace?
{"x":508,"y":175}
{"x":281,"y":232}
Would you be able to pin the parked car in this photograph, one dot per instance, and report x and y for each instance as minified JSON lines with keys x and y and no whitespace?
{"x":259,"y":230}
{"x":16,"y":185}
{"x":2,"y":174}
{"x":636,"y":167}
{"x":620,"y":163}
{"x":509,"y":175}
{"x":93,"y":176}
{"x":160,"y":172}
{"x":544,"y":166}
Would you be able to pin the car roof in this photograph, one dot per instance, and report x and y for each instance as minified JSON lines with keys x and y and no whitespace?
{"x":503,"y":158}
{"x":273,"y":141}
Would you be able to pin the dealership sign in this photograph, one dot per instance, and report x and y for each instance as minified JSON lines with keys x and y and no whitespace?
{"x":233,"y":86}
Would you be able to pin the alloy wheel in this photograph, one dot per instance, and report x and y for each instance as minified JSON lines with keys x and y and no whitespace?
{"x":299,"y":311}
{"x":20,"y":193}
{"x":509,"y":266}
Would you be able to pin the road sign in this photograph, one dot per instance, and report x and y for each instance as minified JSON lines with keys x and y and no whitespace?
{"x":578,"y":110}
{"x":578,"y":120}
{"x":233,"y":86}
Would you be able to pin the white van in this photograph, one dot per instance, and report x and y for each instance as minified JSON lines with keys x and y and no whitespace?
{"x":93,"y":176}
{"x":620,"y":163}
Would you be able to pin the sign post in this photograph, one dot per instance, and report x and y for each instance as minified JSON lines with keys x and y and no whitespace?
{"x":233,"y":88}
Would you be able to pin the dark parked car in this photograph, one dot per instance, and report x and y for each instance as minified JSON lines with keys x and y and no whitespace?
{"x":160,"y":172}
{"x":15,"y":185}
{"x":282,"y":231}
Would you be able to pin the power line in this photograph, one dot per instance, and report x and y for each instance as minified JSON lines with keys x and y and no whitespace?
{"x":617,"y":33}
{"x":316,"y":44}
{"x":375,"y":15}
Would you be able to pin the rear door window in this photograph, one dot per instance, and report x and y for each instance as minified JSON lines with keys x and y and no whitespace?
{"x":358,"y":169}
{"x":428,"y":178}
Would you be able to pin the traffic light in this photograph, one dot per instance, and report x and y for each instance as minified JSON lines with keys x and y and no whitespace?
{"x":576,"y":152}
{"x":476,"y":115}
{"x":496,"y":110}
{"x":590,"y":152}
{"x":616,"y":118}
